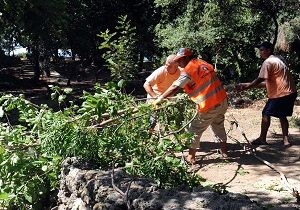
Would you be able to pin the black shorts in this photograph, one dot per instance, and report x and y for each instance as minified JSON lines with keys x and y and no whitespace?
{"x":280,"y":107}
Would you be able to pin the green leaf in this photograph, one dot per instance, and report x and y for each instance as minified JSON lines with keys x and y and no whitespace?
{"x":179,"y":147}
{"x":4,"y":196}
{"x":121,"y":83}
{"x":44,"y":168}
{"x":4,"y":162}
{"x":68,"y":90}
{"x":61,"y":98}
{"x":28,"y":197}
{"x":129,"y":165}
{"x":53,"y":95}
{"x":1,"y":112}
{"x":169,"y":159}
{"x":57,"y":158}
{"x":14,"y":159}
{"x":2,"y":150}
{"x":242,"y":171}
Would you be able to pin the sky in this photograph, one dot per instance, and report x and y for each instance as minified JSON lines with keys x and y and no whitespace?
{"x":18,"y":50}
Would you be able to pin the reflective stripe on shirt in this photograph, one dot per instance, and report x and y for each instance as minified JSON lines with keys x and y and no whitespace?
{"x":202,"y":98}
{"x":204,"y":85}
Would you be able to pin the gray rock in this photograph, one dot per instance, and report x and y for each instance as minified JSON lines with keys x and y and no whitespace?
{"x":113,"y":197}
{"x":83,"y":187}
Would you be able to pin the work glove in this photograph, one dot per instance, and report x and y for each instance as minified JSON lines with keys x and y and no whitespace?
{"x":157,"y":102}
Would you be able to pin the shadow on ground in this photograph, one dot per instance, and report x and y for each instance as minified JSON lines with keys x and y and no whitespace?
{"x":244,"y":173}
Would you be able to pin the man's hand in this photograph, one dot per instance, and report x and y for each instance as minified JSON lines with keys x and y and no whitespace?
{"x":258,"y":82}
{"x":157,"y":102}
{"x":241,"y":86}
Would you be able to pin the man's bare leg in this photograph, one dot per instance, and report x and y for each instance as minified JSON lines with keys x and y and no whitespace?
{"x":223,"y":145}
{"x":192,"y":156}
{"x":265,"y":124}
{"x":285,"y":130}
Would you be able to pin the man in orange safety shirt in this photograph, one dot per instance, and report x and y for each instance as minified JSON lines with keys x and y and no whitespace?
{"x":200,"y":82}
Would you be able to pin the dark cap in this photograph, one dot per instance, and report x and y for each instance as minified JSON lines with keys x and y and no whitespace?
{"x":266,"y":45}
{"x":182,"y":52}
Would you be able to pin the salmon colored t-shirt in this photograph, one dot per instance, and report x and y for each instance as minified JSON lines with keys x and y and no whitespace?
{"x":279,"y":81}
{"x":161,"y":79}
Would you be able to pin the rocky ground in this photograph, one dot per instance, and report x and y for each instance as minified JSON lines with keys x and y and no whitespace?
{"x":85,"y":188}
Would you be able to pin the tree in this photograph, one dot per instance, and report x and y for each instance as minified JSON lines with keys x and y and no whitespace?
{"x":144,"y":16}
{"x":227,"y":30}
{"x":205,"y":27}
{"x":44,"y":22}
{"x":276,"y":11}
{"x":120,"y":46}
{"x":35,"y":24}
{"x":11,"y":14}
{"x":87,"y":18}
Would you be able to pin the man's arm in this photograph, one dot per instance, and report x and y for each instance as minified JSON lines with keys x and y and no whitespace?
{"x":258,"y":82}
{"x":149,"y":89}
{"x":180,"y":82}
{"x":170,"y":91}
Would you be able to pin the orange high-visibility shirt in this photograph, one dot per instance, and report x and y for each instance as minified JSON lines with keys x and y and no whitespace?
{"x":205,"y":88}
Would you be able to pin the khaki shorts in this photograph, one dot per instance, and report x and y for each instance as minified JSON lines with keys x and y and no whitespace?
{"x":215,"y":118}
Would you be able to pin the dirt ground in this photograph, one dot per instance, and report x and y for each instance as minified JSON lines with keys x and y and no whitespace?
{"x":245,"y":174}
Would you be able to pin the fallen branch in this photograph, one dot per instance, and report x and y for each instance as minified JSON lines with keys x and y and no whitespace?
{"x":184,"y":126}
{"x":103,"y":123}
{"x":124,"y":195}
{"x":153,"y":98}
{"x":123,"y":112}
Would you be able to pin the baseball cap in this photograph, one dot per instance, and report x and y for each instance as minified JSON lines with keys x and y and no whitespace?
{"x":182,"y":52}
{"x":266,"y":45}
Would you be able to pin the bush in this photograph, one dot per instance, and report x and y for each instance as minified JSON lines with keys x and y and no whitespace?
{"x":108,"y":128}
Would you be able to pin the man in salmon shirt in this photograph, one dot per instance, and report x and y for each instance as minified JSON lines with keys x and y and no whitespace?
{"x":160,"y":80}
{"x":281,"y":90}
{"x":200,"y":82}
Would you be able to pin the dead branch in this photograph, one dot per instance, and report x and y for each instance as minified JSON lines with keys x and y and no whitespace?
{"x":124,"y":195}
{"x":292,"y":190}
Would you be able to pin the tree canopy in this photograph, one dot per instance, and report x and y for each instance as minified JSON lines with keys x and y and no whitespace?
{"x":223,"y":32}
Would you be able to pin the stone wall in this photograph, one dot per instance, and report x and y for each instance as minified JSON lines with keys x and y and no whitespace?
{"x":82,"y":187}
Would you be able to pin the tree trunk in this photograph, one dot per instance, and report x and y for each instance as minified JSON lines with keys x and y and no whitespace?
{"x":141,"y":62}
{"x":276,"y":29}
{"x":56,"y":56}
{"x":37,"y":70}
